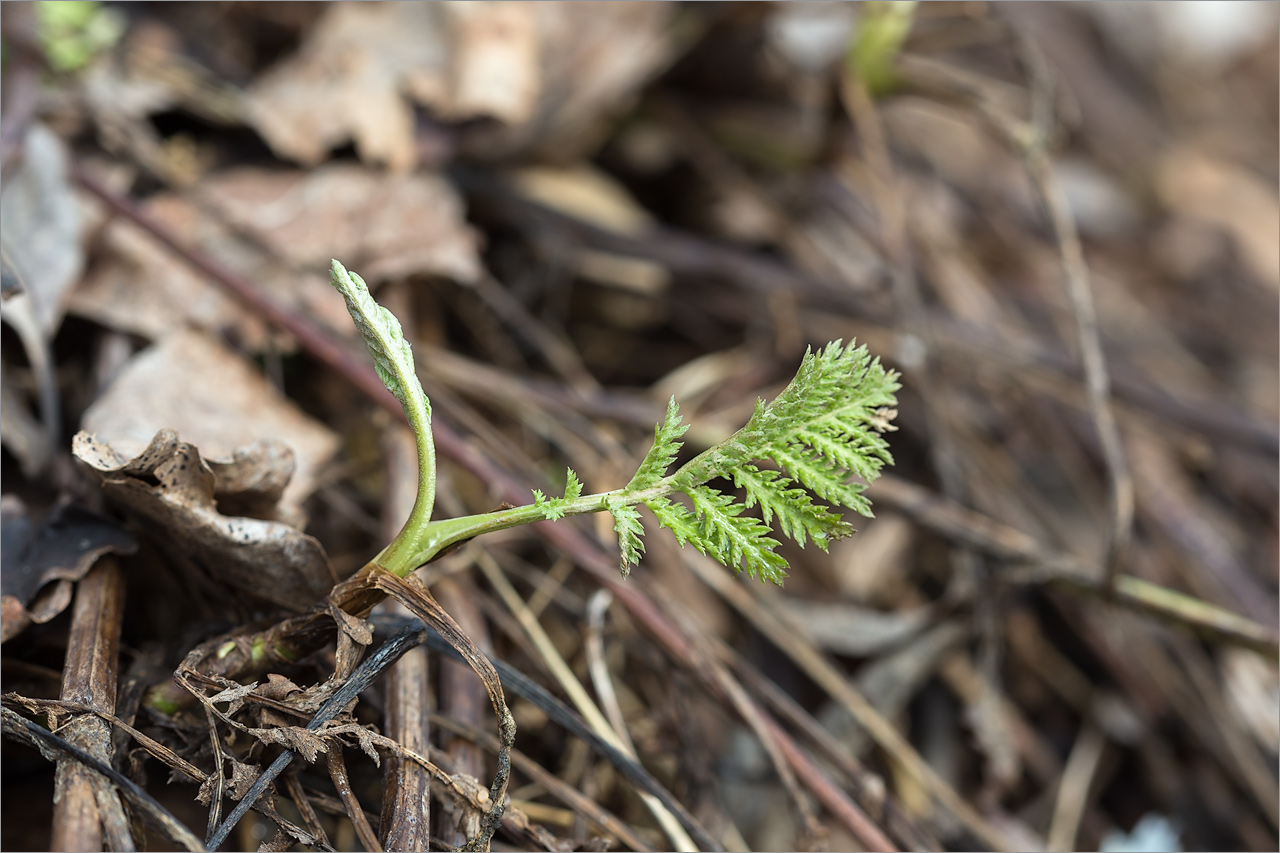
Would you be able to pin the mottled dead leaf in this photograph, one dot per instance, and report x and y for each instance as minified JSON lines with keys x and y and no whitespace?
{"x":262,"y":448}
{"x":594,"y":59}
{"x":143,"y":288}
{"x":242,"y":778}
{"x":170,"y":492}
{"x":278,"y":687}
{"x":306,"y":743}
{"x":233,"y":696}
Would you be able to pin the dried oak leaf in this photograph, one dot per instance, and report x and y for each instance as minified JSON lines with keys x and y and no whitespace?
{"x":173,"y":494}
{"x":39,"y":563}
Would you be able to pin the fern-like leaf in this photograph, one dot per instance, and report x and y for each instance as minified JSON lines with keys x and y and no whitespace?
{"x":553,"y":509}
{"x":663,"y":452}
{"x":676,"y":518}
{"x":572,"y":485}
{"x":817,"y":475}
{"x":798,"y":516}
{"x":824,"y":430}
{"x":741,"y":542}
{"x":549,"y":507}
{"x":626,"y":523}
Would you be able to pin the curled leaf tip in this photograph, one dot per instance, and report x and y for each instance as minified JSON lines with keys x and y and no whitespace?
{"x":393,"y":361}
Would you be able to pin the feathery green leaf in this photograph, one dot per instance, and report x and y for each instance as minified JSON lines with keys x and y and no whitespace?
{"x":798,"y":516}
{"x":626,"y":523}
{"x":572,"y":485}
{"x":733,"y":539}
{"x":663,"y":452}
{"x":553,"y":509}
{"x":676,"y":518}
{"x":824,"y":429}
{"x":818,"y":476}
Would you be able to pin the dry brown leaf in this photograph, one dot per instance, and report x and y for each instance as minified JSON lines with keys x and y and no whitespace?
{"x":390,"y":226}
{"x":594,"y":59}
{"x":360,"y":630}
{"x":143,"y":288}
{"x":233,"y":696}
{"x":262,"y":448}
{"x":546,"y":71}
{"x":308,"y":744}
{"x":346,"y":83}
{"x":278,"y":687}
{"x":354,"y":636}
{"x":242,"y":778}
{"x":170,"y":491}
{"x":368,"y":744}
{"x":493,"y":61}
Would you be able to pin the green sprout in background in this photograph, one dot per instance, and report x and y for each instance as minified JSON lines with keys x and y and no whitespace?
{"x":883,"y":28}
{"x":73,"y":33}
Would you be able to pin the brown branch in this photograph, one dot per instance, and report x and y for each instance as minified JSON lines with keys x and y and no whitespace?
{"x":85,"y":806}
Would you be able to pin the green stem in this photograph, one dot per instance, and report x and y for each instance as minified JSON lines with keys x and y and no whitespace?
{"x":416,"y":535}
{"x":403,"y":556}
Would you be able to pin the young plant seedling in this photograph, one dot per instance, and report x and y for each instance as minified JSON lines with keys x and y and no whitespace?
{"x":825,"y":428}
